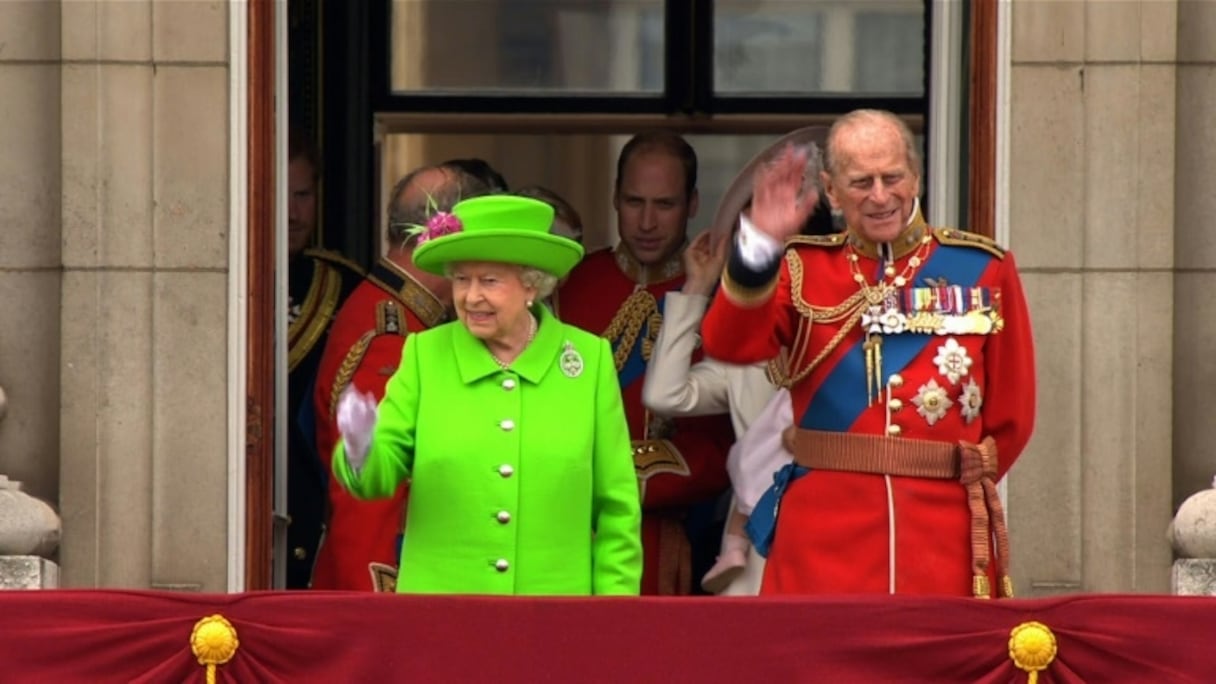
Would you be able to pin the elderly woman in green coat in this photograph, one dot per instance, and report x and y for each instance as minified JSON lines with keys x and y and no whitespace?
{"x":508,"y":423}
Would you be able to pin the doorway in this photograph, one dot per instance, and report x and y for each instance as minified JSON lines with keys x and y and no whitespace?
{"x":548,"y":92}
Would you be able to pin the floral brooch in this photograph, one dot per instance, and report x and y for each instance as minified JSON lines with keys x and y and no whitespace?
{"x":439,"y":224}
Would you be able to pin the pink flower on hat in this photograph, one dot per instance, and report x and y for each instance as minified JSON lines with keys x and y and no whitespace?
{"x":440,"y":224}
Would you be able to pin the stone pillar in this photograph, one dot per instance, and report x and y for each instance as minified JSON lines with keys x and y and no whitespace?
{"x":143,"y":400}
{"x":1193,"y":534}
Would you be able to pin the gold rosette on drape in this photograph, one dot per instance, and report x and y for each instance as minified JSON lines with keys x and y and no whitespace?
{"x":1032,"y":647}
{"x":213,"y":642}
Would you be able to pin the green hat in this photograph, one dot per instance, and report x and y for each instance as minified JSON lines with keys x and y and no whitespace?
{"x":503,"y":228}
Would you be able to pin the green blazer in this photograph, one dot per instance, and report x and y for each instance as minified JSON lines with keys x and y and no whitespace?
{"x":522,"y":480}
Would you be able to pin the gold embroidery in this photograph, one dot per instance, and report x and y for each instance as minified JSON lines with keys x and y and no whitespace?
{"x":389,"y":321}
{"x":346,"y":371}
{"x":315,"y":313}
{"x":639,"y":309}
{"x":412,"y":293}
{"x":907,"y":241}
{"x":748,"y":297}
{"x":335,"y":258}
{"x":384,"y":577}
{"x":833,"y":240}
{"x":644,"y":274}
{"x":657,"y":456}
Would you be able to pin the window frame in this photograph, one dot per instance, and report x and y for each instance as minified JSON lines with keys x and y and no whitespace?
{"x":687,"y":84}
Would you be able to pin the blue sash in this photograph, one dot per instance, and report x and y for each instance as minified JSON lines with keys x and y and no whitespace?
{"x":838,"y":402}
{"x":762,"y":523}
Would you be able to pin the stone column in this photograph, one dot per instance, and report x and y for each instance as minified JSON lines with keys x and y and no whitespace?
{"x":1193,"y":534}
{"x":1092,"y":195}
{"x":143,"y":485}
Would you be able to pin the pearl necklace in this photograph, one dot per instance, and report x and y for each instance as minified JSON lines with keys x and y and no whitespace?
{"x":531,"y":334}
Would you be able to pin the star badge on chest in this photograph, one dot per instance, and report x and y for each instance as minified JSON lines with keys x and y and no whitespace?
{"x":931,"y":402}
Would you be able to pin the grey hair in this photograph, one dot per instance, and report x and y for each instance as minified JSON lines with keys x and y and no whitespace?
{"x":542,"y":281}
{"x":402,"y":216}
{"x":833,"y":160}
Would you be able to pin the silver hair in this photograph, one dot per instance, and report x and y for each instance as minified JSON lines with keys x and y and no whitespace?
{"x":542,"y":281}
{"x":833,"y":161}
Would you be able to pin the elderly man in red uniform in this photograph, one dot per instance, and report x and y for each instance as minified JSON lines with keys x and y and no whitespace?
{"x":618,"y":293}
{"x":911,"y":362}
{"x":359,"y":551}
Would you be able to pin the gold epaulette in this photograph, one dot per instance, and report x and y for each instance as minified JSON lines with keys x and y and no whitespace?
{"x":334,"y":258}
{"x":832,"y":240}
{"x":962,"y":238}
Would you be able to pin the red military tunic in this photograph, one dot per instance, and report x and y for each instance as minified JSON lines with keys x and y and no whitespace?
{"x":318,"y":283}
{"x":364,"y":349}
{"x":853,"y":532}
{"x":680,"y":462}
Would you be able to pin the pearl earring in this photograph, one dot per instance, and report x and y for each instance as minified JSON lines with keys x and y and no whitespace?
{"x":529,"y":303}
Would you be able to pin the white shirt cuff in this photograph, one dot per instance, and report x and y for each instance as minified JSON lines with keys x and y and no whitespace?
{"x":757,"y":249}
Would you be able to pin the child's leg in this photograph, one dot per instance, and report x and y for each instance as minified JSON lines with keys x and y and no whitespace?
{"x":735,"y":523}
{"x":733,"y":556}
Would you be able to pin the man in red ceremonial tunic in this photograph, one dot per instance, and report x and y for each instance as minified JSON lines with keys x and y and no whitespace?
{"x":359,"y":551}
{"x":912,"y":369}
{"x":619,"y":293}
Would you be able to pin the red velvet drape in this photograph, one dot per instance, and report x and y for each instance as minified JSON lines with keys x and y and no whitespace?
{"x":121,"y":636}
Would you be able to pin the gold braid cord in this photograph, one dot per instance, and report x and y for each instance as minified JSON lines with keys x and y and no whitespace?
{"x":653,"y":323}
{"x":316,"y":313}
{"x":849,"y":311}
{"x":640,"y":308}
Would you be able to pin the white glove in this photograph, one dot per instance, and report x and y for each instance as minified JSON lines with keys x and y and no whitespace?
{"x":356,"y":419}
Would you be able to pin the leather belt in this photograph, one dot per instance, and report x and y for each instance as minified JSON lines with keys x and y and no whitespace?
{"x":973,"y":465}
